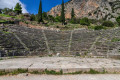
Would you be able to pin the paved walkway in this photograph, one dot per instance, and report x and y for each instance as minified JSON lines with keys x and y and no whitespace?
{"x":67,"y":64}
{"x":63,"y":77}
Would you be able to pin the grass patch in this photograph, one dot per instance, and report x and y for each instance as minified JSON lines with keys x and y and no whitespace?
{"x":115,"y":40}
{"x":36,"y":72}
{"x":50,"y":55}
{"x":3,"y":15}
{"x":78,"y":72}
{"x":3,"y":73}
{"x":53,"y":72}
{"x":14,"y":72}
{"x":19,"y":71}
{"x":6,"y":32}
{"x":2,"y":21}
{"x":1,"y":59}
{"x":92,"y":71}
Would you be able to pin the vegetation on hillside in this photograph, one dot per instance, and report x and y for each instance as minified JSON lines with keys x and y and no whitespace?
{"x":118,"y":20}
{"x":63,"y":14}
{"x":18,"y":8}
{"x":39,"y":17}
{"x":55,"y":21}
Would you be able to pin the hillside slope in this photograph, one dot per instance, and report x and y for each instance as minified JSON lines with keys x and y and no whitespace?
{"x":94,"y":9}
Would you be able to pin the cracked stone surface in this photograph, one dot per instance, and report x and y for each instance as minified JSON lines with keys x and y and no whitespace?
{"x":67,"y":64}
{"x":63,"y":77}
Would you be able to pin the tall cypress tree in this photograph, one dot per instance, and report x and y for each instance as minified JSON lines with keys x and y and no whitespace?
{"x":72,"y":13}
{"x":40,"y":13}
{"x":63,"y":14}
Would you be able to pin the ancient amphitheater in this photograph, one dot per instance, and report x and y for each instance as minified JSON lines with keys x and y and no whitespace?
{"x":25,"y":41}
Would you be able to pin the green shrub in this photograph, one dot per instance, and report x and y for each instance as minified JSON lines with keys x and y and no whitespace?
{"x":93,"y":21}
{"x":98,"y":27}
{"x":115,"y":40}
{"x":85,"y":21}
{"x":74,"y":21}
{"x":6,"y":11}
{"x":44,"y":14}
{"x":118,"y":20}
{"x":4,"y":15}
{"x":3,"y":73}
{"x":51,"y":18}
{"x":57,"y":19}
{"x":108,"y":24}
{"x":32,"y":17}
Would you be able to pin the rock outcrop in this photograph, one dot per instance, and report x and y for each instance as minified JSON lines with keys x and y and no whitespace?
{"x":94,"y":9}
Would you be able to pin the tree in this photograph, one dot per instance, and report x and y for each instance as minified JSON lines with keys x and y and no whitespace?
{"x":40,"y":13}
{"x":44,"y":15}
{"x":0,"y":11}
{"x":72,"y":13}
{"x":32,"y":17}
{"x":18,"y":8}
{"x":51,"y":18}
{"x":6,"y":11}
{"x":118,"y":20}
{"x":63,"y":14}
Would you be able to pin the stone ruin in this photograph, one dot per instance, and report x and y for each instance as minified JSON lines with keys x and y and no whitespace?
{"x":24,"y":41}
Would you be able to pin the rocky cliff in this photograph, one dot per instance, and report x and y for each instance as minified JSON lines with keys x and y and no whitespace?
{"x":94,"y":9}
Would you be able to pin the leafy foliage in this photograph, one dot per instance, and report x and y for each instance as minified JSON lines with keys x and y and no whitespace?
{"x":6,"y":10}
{"x":18,"y":8}
{"x":0,"y":11}
{"x":72,"y":13}
{"x":58,"y":18}
{"x":4,"y":15}
{"x":32,"y":17}
{"x":108,"y":24}
{"x":85,"y":21}
{"x":62,"y":13}
{"x":40,"y":13}
{"x":44,"y":15}
{"x":98,"y":27}
{"x":51,"y":18}
{"x":118,"y":20}
{"x":75,"y":21}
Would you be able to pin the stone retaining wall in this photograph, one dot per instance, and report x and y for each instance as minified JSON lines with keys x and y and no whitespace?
{"x":66,"y":43}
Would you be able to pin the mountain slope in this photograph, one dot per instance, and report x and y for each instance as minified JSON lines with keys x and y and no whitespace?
{"x":94,"y":9}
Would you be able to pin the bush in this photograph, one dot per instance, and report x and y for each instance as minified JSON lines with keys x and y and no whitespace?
{"x":44,"y":14}
{"x":6,"y":10}
{"x":85,"y":21}
{"x":108,"y":24}
{"x":98,"y":27}
{"x":74,"y":21}
{"x":32,"y":17}
{"x":118,"y":20}
{"x":93,"y":21}
{"x":57,"y":19}
{"x":51,"y":18}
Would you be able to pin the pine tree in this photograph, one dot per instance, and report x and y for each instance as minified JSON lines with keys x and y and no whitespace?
{"x":63,"y":14}
{"x":18,"y":8}
{"x":72,"y":13}
{"x":40,"y":13}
